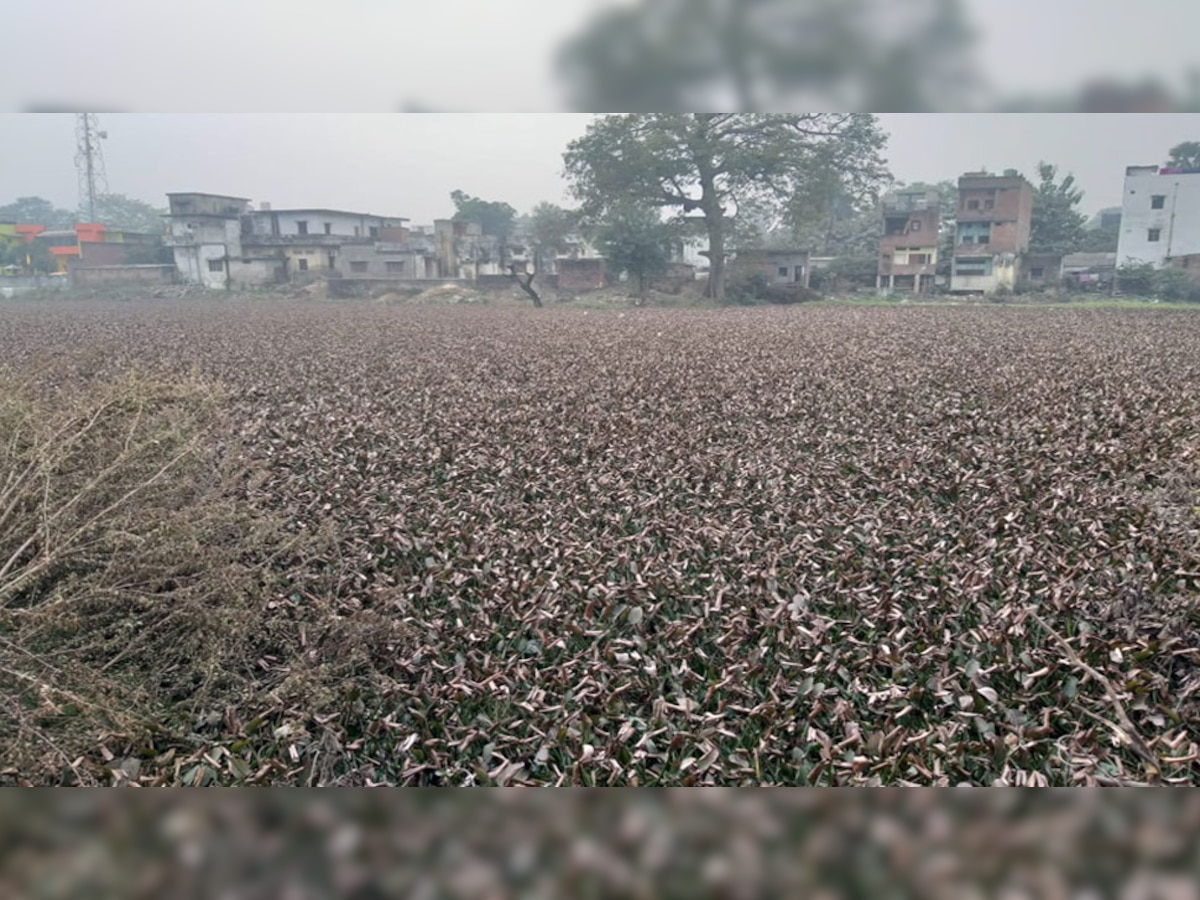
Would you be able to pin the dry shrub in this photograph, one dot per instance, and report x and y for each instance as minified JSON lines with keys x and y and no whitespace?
{"x":140,"y":599}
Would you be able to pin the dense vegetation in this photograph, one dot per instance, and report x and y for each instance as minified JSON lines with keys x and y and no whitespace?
{"x":458,"y":546}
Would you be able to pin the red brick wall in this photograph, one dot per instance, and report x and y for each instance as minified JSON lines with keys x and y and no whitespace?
{"x":1012,"y":208}
{"x":921,"y":229}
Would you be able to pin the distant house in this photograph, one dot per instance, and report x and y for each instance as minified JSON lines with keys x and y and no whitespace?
{"x":778,"y":265}
{"x":908,"y":245}
{"x":220,"y":242}
{"x":1041,"y":268}
{"x":1160,"y":215}
{"x":1089,"y":268}
{"x":992,"y":232}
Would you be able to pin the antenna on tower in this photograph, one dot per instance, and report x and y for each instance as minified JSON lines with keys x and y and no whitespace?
{"x":89,"y":162}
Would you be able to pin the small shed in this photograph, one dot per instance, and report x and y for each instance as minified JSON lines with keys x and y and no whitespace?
{"x":780,"y":266}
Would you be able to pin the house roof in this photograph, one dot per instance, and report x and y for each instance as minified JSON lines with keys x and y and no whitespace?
{"x":206,"y":194}
{"x":335,"y":212}
{"x":1089,"y":259}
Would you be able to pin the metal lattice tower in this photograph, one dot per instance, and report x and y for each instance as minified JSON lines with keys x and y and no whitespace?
{"x":89,"y":162}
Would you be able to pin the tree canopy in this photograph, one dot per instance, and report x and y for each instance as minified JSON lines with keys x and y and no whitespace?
{"x":36,"y":211}
{"x":1185,"y":155}
{"x":1057,"y":225}
{"x":721,"y":165}
{"x":635,"y":240}
{"x":494,"y":217}
{"x":119,"y":211}
{"x":549,"y":227}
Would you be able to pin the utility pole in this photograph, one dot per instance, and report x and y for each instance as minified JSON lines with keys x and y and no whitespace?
{"x":89,"y":162}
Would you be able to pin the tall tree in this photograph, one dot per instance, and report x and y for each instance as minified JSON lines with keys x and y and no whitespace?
{"x":1057,"y":225}
{"x":722,"y":164}
{"x":635,"y":240}
{"x":550,"y":228}
{"x":494,"y":217}
{"x":36,"y":211}
{"x":675,"y":55}
{"x":1185,"y":155}
{"x":119,"y":211}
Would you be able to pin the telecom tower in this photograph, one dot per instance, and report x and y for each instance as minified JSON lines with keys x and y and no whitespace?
{"x":89,"y":162}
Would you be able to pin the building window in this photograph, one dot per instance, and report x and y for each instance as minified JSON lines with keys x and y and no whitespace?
{"x":979,"y":265}
{"x":357,"y":231}
{"x":302,"y":264}
{"x":329,"y":228}
{"x":374,"y":232}
{"x":918,"y":259}
{"x":332,"y":260}
{"x":783,"y":271}
{"x":301,"y":227}
{"x":1037,"y":273}
{"x":216,"y":265}
{"x":972,"y":204}
{"x":1154,"y":235}
{"x":358,"y":265}
{"x":989,"y":204}
{"x":915,"y":226}
{"x":395,"y":265}
{"x":1158,"y":201}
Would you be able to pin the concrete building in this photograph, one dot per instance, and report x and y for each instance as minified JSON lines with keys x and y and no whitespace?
{"x":221,"y":242}
{"x":205,"y":235}
{"x":1041,"y":268}
{"x":991,"y":233}
{"x":908,"y":246}
{"x":1160,"y":215}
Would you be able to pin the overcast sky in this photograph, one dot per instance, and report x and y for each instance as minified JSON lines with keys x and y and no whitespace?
{"x":407,"y":164}
{"x":468,"y":55}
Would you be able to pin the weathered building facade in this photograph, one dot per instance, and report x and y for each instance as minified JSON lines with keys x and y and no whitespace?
{"x":991,"y":233}
{"x":1160,"y":215}
{"x":221,"y":242}
{"x":908,"y":245}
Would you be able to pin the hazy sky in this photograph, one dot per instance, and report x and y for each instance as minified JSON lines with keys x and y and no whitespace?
{"x":407,"y":164}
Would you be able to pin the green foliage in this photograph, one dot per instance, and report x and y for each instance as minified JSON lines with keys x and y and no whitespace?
{"x":36,"y":211}
{"x":845,"y":273}
{"x":34,"y":258}
{"x":1136,"y":278}
{"x":119,"y":211}
{"x":747,"y":287}
{"x":723,"y":166}
{"x":494,"y":217}
{"x":1168,"y":283}
{"x":549,"y":227}
{"x":1176,"y":285}
{"x":1185,"y":155}
{"x":1057,"y":223}
{"x":1099,"y":240}
{"x":635,"y":240}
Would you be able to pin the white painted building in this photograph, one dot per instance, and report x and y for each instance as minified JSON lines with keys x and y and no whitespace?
{"x":1160,"y":215}
{"x":205,"y":236}
{"x":221,"y":242}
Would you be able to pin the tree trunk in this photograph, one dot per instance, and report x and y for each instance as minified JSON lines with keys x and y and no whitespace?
{"x":714,"y":215}
{"x":526,"y":285}
{"x":716,"y":259}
